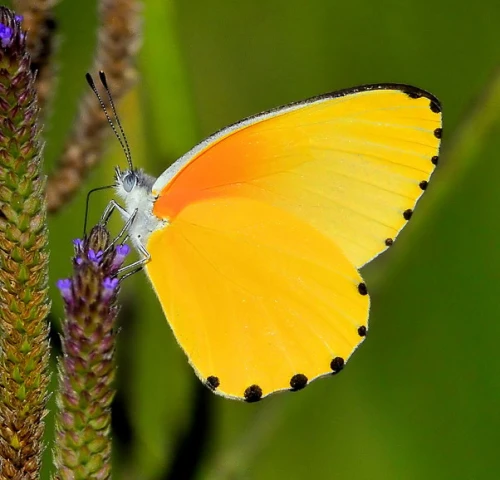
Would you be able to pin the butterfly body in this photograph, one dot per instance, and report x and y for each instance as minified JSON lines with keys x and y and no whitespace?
{"x":135,"y":188}
{"x":255,"y":237}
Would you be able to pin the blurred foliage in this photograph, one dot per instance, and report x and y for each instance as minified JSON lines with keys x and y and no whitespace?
{"x":419,"y":399}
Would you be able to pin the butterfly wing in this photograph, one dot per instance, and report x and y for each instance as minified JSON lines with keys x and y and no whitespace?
{"x":351,"y":164}
{"x":259,"y":300}
{"x":268,"y":221}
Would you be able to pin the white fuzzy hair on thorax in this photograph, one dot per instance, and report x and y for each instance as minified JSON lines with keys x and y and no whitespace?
{"x":140,"y":198}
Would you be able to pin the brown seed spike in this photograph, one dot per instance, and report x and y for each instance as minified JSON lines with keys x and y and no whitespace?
{"x":438,"y":133}
{"x":337,"y":364}
{"x":116,"y":53}
{"x":362,"y":331}
{"x":253,"y":394}
{"x":389,"y":242}
{"x":423,"y":184}
{"x":407,"y":214}
{"x":435,"y":107}
{"x":362,"y":288}
{"x":213,"y":382}
{"x":298,"y":382}
{"x":435,"y":159}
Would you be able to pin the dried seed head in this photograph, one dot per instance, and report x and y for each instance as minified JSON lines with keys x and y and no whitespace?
{"x":118,"y":43}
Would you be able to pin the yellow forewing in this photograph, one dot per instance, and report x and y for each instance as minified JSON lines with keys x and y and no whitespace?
{"x":352,"y":166}
{"x":255,"y":295}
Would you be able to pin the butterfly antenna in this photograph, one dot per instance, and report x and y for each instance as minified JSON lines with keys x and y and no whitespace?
{"x":87,"y":204}
{"x":102,"y":77}
{"x":123,"y":141}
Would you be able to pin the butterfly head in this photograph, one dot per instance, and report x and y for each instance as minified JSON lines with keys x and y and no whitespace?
{"x":132,"y":184}
{"x":127,"y":180}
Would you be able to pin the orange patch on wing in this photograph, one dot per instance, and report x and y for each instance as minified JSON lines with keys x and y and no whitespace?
{"x":348,"y":166}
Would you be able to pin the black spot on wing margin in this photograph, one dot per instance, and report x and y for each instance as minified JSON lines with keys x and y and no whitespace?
{"x":253,"y":394}
{"x":362,"y":288}
{"x":212,"y":382}
{"x":407,"y":214}
{"x":337,"y":364}
{"x":298,"y":382}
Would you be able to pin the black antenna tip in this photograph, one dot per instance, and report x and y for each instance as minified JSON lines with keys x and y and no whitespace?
{"x":90,"y":80}
{"x":121,"y":135}
{"x":102,"y":77}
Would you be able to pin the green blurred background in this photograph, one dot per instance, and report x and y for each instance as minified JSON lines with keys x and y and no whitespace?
{"x":420,"y":398}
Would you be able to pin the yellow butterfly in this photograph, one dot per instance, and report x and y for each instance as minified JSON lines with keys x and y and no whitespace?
{"x":253,"y":239}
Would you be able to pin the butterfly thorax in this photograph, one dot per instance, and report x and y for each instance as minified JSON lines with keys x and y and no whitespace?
{"x":134,"y":187}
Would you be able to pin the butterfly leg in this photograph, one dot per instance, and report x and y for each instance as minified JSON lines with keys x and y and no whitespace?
{"x":129,"y":218}
{"x":110,"y":208}
{"x":137,"y":266}
{"x":123,"y":234}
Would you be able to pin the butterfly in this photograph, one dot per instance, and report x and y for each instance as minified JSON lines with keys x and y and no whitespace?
{"x":253,"y":240}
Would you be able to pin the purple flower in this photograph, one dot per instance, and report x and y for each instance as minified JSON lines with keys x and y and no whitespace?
{"x":94,"y":256}
{"x":109,"y":286}
{"x":121,"y":252}
{"x":78,"y":243}
{"x":110,"y":283}
{"x":64,"y":285}
{"x":5,"y":35}
{"x":18,"y":18}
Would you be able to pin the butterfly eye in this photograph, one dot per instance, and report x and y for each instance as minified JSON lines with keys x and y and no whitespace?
{"x":129,"y":181}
